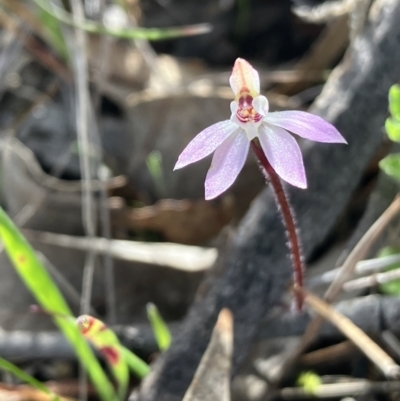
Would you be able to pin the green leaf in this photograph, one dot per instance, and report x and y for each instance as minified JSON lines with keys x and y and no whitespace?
{"x":129,"y":33}
{"x":392,"y":287}
{"x":392,"y":127}
{"x":39,"y":282}
{"x":394,"y":101}
{"x":160,"y":329}
{"x":391,"y":165}
{"x":4,"y":364}
{"x":138,"y":367}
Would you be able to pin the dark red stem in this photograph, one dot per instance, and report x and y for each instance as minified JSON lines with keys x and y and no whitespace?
{"x":288,"y":219}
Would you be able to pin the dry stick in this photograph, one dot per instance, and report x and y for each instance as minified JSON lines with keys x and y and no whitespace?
{"x":109,"y":271}
{"x":339,"y":390}
{"x":372,"y":280}
{"x":88,"y":214}
{"x":371,"y":350}
{"x":336,"y":352}
{"x":367,"y":266}
{"x":82,"y":114}
{"x":287,"y":214}
{"x":359,"y":252}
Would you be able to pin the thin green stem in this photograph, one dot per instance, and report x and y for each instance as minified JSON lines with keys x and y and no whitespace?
{"x":288,"y":219}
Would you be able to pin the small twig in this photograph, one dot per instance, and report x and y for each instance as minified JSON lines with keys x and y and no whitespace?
{"x":370,"y":281}
{"x":62,"y":281}
{"x":82,"y":115}
{"x":100,"y":80}
{"x":323,"y":355}
{"x":367,"y":266}
{"x":340,"y":390}
{"x":361,"y":250}
{"x":88,"y":213}
{"x":371,"y":350}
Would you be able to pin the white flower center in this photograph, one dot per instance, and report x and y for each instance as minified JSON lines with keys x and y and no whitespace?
{"x":249,"y":113}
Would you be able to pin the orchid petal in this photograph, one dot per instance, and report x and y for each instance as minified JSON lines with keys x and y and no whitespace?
{"x":306,"y":125}
{"x":244,"y":76}
{"x":234,"y":107}
{"x":205,"y":143}
{"x":283,"y":153}
{"x":261,"y":105}
{"x":227,"y":162}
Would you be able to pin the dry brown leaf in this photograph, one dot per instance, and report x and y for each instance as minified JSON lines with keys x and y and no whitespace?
{"x":182,"y":221}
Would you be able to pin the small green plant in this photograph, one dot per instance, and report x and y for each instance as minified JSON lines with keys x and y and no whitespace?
{"x":310,"y":382}
{"x":160,"y":328}
{"x":154,"y":165}
{"x":391,"y":163}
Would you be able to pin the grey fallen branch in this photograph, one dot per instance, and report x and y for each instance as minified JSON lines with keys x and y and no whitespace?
{"x":257,"y":269}
{"x":22,"y":346}
{"x":373,"y":314}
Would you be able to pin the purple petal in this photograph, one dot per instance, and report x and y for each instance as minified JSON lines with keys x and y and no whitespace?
{"x":306,"y":125}
{"x":284,"y":154}
{"x":205,"y":143}
{"x":226,"y":164}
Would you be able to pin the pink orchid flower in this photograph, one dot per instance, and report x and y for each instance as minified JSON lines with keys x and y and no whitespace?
{"x":250,"y":119}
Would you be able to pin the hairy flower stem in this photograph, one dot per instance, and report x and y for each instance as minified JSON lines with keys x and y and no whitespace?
{"x":288,"y":219}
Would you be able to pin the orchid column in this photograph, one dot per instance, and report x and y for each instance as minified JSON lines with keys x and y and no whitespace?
{"x":267,"y":133}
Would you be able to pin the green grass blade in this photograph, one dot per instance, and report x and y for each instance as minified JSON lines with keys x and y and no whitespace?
{"x":9,"y":367}
{"x":39,"y":282}
{"x":152,"y":34}
{"x":138,"y":367}
{"x":53,"y":30}
{"x":154,"y":165}
{"x":160,"y":329}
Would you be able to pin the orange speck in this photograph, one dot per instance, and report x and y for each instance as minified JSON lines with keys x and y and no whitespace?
{"x":21,"y":259}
